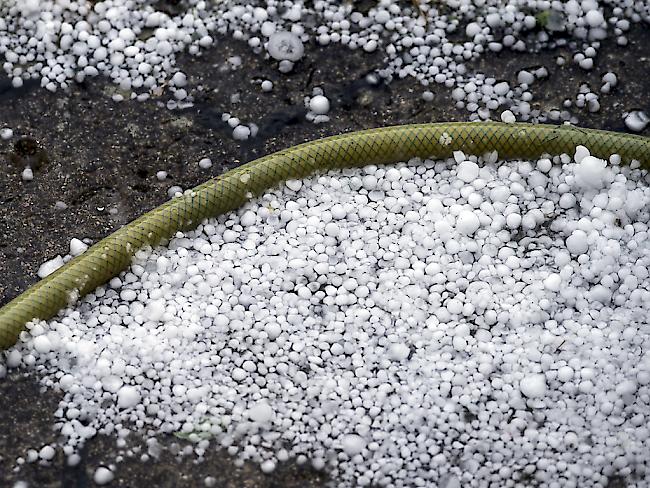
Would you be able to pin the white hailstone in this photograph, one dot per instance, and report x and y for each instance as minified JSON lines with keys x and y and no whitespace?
{"x":626,"y":388}
{"x":467,"y":222}
{"x":27,"y":174}
{"x":174,"y":191}
{"x":353,"y":444}
{"x":268,"y":466}
{"x":267,"y":85}
{"x":273,"y":330}
{"x":6,"y":133}
{"x":577,"y":242}
{"x":179,"y":79}
{"x":565,"y":373}
{"x":637,"y":120}
{"x":155,"y":310}
{"x":49,"y":267}
{"x":398,"y":351}
{"x":580,"y":153}
{"x":47,"y":453}
{"x":467,"y":171}
{"x":248,"y":218}
{"x":501,"y":88}
{"x":332,"y":229}
{"x":533,"y":386}
{"x":261,"y":412}
{"x":610,"y":78}
{"x":294,"y":185}
{"x":525,"y":77}
{"x":319,"y":105}
{"x":77,"y":247}
{"x":42,"y":344}
{"x":161,"y":175}
{"x":544,"y":165}
{"x":590,"y":172}
{"x":241,"y":133}
{"x":285,"y":46}
{"x":508,"y":117}
{"x":594,"y":18}
{"x":103,"y":476}
{"x":553,"y":282}
{"x":600,"y":294}
{"x":205,"y":163}
{"x":128,"y":397}
{"x":338,"y":212}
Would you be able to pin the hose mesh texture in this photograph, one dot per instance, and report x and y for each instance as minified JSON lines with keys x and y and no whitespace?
{"x":229,"y":191}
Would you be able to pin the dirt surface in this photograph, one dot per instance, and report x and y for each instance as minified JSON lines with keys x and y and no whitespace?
{"x":100,"y":159}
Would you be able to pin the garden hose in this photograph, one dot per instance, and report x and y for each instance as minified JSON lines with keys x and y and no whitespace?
{"x":229,"y":191}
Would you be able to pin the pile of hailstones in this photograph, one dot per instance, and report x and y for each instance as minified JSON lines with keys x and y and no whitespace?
{"x":447,"y":323}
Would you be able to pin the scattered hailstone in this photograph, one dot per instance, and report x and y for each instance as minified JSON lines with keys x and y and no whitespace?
{"x":636,"y":120}
{"x":319,"y":105}
{"x":285,"y":46}
{"x":106,"y":39}
{"x":205,"y":163}
{"x":49,"y":267}
{"x":27,"y":174}
{"x":103,"y":476}
{"x":6,"y":133}
{"x":241,"y":133}
{"x":174,"y":191}
{"x":77,"y":247}
{"x":508,"y":117}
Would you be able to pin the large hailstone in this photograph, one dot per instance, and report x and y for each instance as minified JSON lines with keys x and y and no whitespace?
{"x":284,"y":45}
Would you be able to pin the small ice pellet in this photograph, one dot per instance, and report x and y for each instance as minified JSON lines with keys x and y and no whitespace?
{"x":508,"y":117}
{"x":267,"y":85}
{"x":319,"y":105}
{"x":6,"y":133}
{"x":261,"y":412}
{"x":128,"y":397}
{"x":205,"y":163}
{"x":467,"y":222}
{"x":553,"y":282}
{"x":577,"y":243}
{"x":294,"y":185}
{"x":47,"y":453}
{"x":103,"y":476}
{"x":49,"y":267}
{"x":533,"y":386}
{"x":77,"y":247}
{"x":241,"y":133}
{"x":353,"y":444}
{"x":398,"y":351}
{"x":637,"y":120}
{"x":468,"y":171}
{"x":285,"y":46}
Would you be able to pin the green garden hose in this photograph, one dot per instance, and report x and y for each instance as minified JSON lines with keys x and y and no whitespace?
{"x":229,"y":191}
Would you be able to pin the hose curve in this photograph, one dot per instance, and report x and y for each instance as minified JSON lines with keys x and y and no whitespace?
{"x":229,"y":191}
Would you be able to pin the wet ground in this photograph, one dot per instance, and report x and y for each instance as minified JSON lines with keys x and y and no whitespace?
{"x":100,"y":159}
